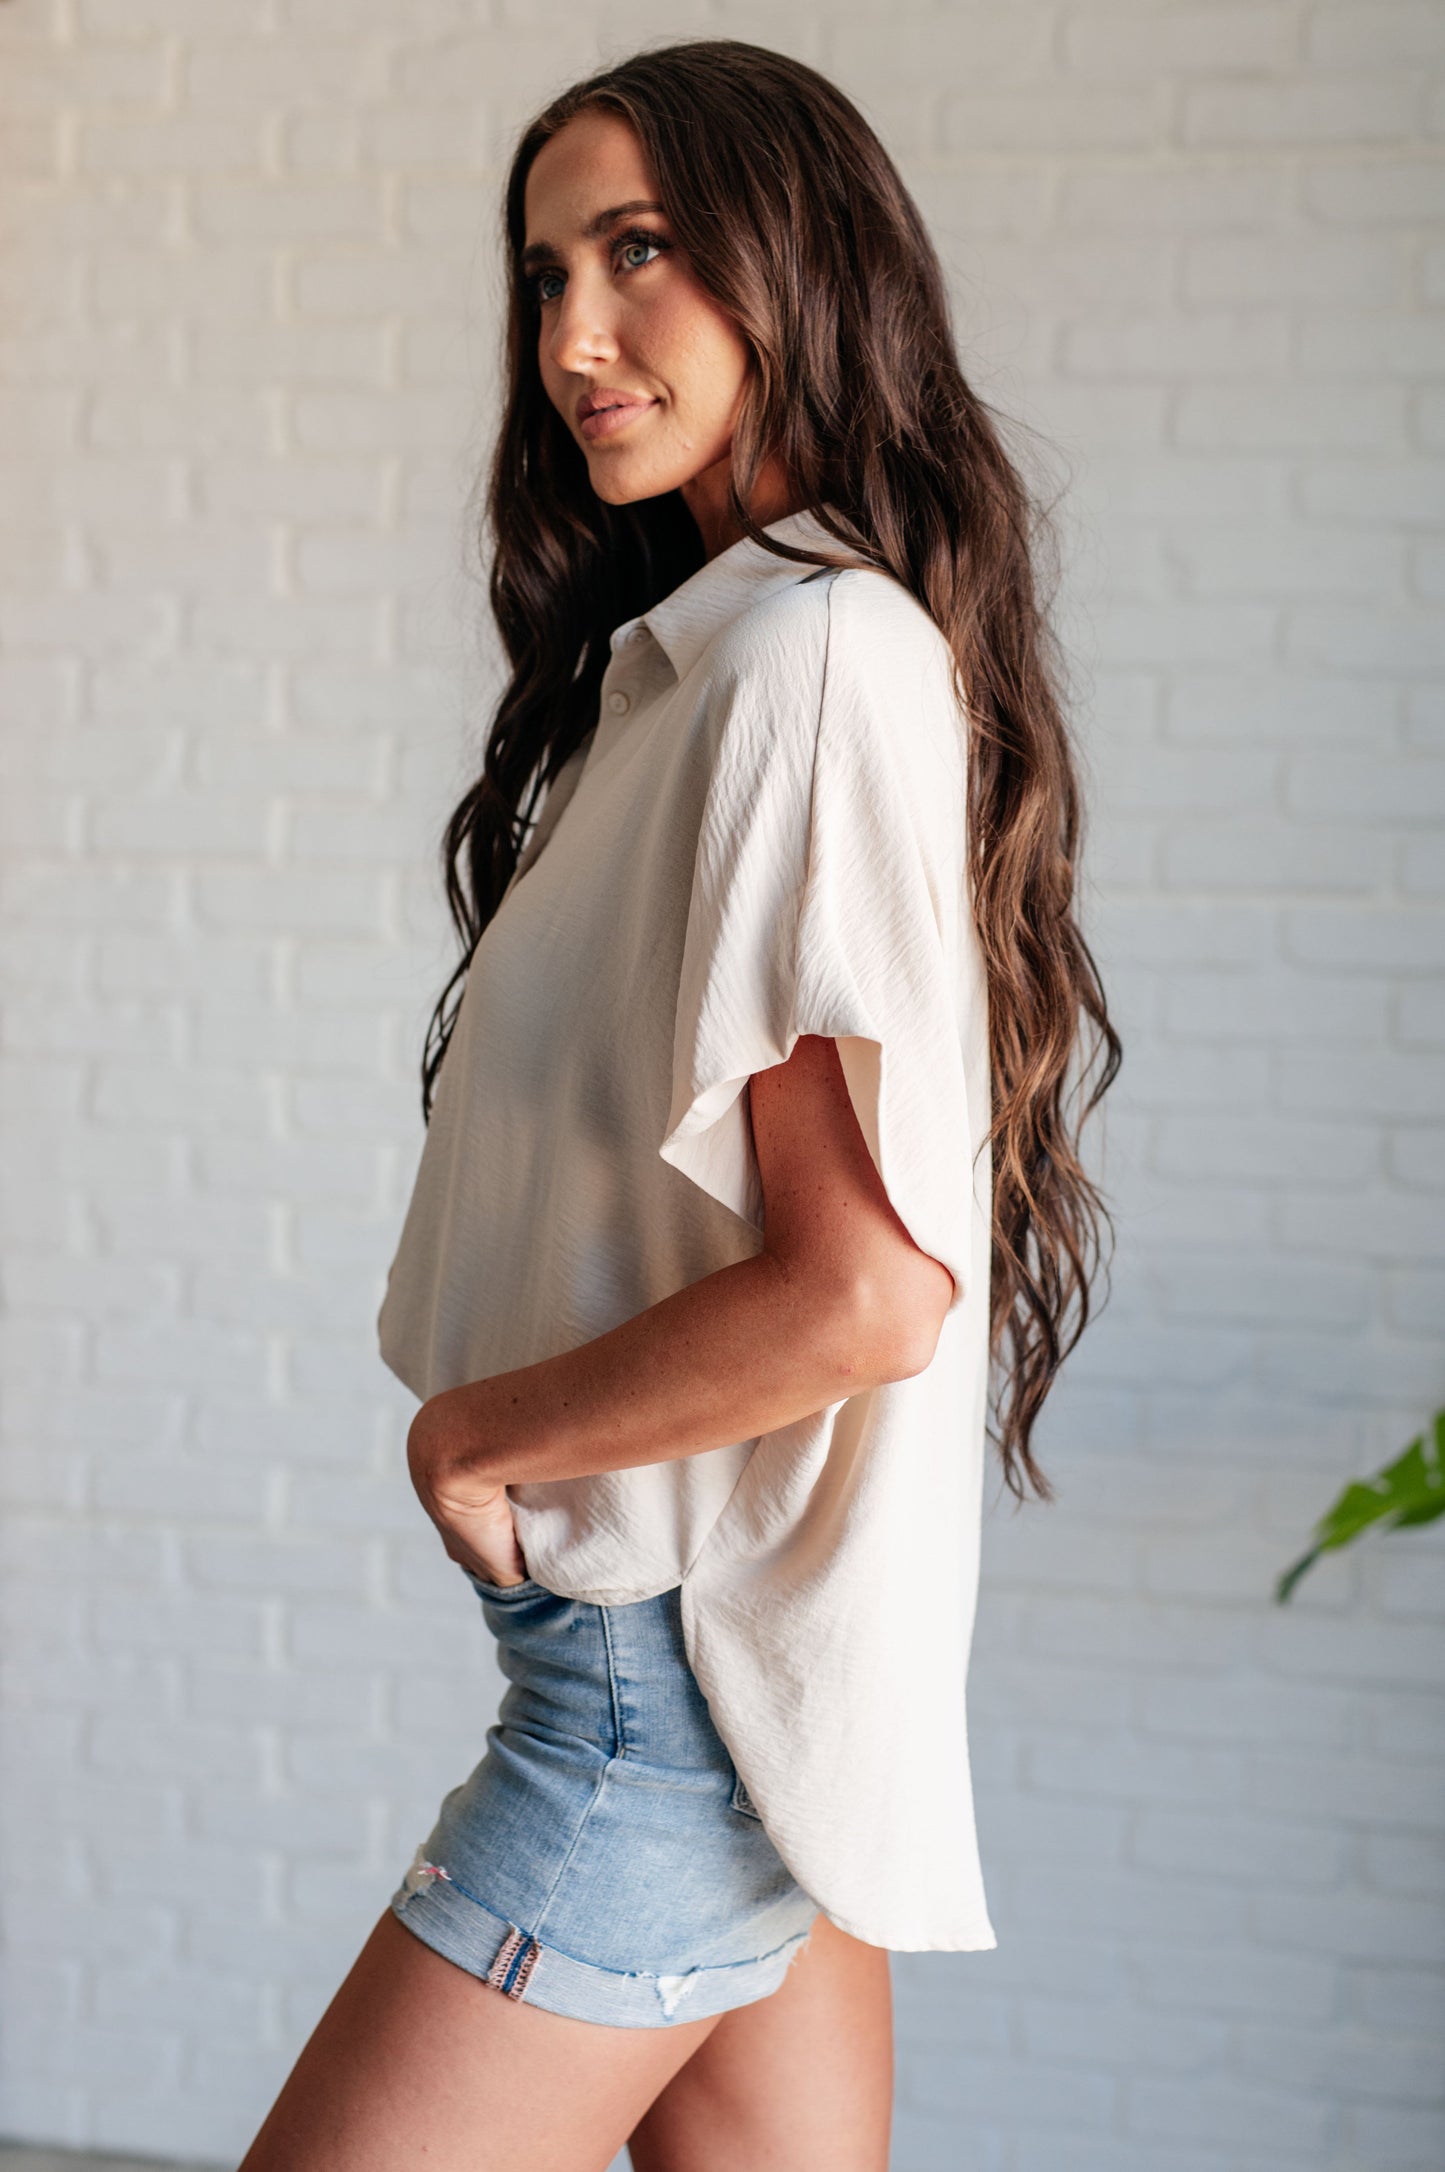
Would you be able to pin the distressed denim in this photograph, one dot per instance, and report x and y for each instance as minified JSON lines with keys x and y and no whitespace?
{"x":603,"y":1860}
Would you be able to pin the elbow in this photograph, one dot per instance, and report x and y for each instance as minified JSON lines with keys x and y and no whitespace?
{"x":917,"y":1323}
{"x":893,"y":1318}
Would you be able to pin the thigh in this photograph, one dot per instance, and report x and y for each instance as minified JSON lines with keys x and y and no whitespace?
{"x":417,"y":2062}
{"x":803,"y":2077}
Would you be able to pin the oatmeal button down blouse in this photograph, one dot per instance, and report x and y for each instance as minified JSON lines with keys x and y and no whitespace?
{"x":763,"y":836}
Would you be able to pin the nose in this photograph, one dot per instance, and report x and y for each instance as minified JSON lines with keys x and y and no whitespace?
{"x":582,"y":334}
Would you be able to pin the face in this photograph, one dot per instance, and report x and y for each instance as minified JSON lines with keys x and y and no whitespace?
{"x":644,"y":368}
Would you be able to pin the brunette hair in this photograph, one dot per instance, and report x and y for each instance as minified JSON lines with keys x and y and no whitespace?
{"x":794,"y":219}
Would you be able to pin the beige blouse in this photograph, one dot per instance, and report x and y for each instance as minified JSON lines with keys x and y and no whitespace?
{"x":763,"y":836}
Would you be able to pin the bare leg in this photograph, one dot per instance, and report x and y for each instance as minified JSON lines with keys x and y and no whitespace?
{"x":798,"y":2082}
{"x":415,"y":2062}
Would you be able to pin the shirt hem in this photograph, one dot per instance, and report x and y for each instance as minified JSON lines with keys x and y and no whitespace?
{"x":979,"y":1938}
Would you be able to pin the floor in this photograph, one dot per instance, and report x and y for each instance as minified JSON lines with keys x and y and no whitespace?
{"x":19,"y":2157}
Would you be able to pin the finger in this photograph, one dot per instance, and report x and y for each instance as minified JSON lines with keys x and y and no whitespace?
{"x":494,"y":1563}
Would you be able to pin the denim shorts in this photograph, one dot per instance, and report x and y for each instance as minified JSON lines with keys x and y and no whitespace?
{"x":604,"y":1860}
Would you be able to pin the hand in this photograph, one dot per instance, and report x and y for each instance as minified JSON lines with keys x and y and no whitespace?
{"x":471,"y":1511}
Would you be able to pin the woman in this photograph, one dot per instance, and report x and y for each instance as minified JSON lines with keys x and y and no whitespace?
{"x":755,"y":1142}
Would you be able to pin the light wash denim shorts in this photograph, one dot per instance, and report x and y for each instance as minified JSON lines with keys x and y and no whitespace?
{"x":604,"y":1860}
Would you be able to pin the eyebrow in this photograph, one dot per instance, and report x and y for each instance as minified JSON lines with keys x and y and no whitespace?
{"x":543,"y":252}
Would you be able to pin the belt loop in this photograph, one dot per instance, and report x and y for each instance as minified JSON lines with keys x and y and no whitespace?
{"x":516,"y":1958}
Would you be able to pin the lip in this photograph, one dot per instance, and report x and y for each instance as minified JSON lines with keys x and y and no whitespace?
{"x":601,"y":413}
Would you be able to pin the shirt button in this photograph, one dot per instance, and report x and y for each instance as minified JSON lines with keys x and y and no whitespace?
{"x":619,"y":703}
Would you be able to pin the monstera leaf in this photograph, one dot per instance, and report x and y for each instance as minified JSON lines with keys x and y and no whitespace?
{"x":1409,"y":1490}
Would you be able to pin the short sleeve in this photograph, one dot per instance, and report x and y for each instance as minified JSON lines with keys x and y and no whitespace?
{"x":829,"y":897}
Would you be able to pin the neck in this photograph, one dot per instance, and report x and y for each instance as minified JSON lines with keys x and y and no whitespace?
{"x":706,"y":498}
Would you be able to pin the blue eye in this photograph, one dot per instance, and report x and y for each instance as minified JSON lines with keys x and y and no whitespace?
{"x":546,"y":286}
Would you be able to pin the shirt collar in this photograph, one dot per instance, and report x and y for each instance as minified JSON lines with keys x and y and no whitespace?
{"x":683,"y":623}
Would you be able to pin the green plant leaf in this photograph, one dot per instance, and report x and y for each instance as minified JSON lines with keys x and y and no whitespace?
{"x":1410,"y":1490}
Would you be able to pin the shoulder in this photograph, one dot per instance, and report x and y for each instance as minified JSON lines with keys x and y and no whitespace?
{"x":781,"y":636}
{"x":756,"y":697}
{"x":846,"y":659}
{"x":852,"y":622}
{"x":889,"y":716}
{"x":883,"y":642}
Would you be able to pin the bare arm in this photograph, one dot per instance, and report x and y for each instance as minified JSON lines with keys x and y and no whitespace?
{"x":838,"y":1299}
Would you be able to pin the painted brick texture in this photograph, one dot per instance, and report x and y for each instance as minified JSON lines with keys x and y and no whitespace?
{"x":247,"y":323}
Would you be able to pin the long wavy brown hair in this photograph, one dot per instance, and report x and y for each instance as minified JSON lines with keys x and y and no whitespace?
{"x":794,"y":219}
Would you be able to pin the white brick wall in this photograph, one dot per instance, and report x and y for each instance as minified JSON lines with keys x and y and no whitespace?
{"x":246,"y":294}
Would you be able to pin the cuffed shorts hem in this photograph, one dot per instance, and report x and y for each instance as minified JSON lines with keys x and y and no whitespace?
{"x":460,"y":1927}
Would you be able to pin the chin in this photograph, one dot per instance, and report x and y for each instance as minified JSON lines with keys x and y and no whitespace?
{"x":620,"y":483}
